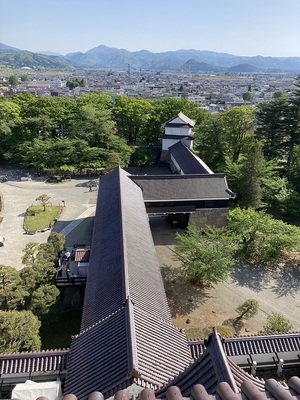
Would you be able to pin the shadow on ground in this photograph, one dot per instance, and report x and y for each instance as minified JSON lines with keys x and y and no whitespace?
{"x":236,"y":323}
{"x":183,"y":297}
{"x":287,"y":280}
{"x":82,"y":233}
{"x":162,"y":233}
{"x":254,"y":276}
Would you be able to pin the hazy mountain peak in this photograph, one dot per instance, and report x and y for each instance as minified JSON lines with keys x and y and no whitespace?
{"x":5,"y":47}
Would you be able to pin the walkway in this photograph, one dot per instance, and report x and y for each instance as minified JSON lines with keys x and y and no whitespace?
{"x":75,"y":222}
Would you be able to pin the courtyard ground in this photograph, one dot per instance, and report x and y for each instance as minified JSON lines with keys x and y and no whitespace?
{"x":198,"y":310}
{"x":17,"y":195}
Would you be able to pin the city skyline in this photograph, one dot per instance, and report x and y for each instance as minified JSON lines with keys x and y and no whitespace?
{"x":266,"y":28}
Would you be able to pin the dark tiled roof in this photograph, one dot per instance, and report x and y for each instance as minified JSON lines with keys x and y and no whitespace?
{"x":123,"y":260}
{"x":189,"y":163}
{"x":209,"y":370}
{"x":261,"y":344}
{"x":183,"y":187}
{"x":126,"y":334}
{"x":177,"y":137}
{"x":42,"y":361}
{"x":254,"y":344}
{"x":125,"y":348}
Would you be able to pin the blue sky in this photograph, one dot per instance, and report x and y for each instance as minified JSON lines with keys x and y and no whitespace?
{"x":241,"y":27}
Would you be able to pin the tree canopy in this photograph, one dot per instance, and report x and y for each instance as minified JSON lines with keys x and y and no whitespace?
{"x":206,"y":254}
{"x":27,"y":295}
{"x":19,"y":331}
{"x":276,"y":323}
{"x":247,"y":309}
{"x":261,"y":237}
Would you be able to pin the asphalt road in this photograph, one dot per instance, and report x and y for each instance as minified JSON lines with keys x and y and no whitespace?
{"x":17,"y":195}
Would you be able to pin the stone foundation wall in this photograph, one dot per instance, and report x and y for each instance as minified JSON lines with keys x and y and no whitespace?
{"x":165,"y":156}
{"x":209,"y":216}
{"x":173,"y":167}
{"x":72,"y":296}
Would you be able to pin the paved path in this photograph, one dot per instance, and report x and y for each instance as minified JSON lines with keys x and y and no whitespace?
{"x":18,"y":195}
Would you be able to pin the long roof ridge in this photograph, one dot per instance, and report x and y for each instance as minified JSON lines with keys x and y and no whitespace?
{"x":34,"y":353}
{"x":133,"y":364}
{"x":221,"y":359}
{"x":124,"y":246}
{"x":255,"y":336}
{"x":252,"y":336}
{"x":176,"y":176}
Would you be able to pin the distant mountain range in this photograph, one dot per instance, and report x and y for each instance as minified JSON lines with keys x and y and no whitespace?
{"x":103,"y":57}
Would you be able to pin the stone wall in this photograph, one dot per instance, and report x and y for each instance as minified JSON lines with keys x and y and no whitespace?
{"x":165,"y":156}
{"x":72,"y":296}
{"x":209,"y":216}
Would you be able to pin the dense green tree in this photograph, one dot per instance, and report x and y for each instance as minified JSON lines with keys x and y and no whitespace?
{"x":238,"y":124}
{"x":12,"y":292}
{"x":99,"y":100}
{"x":131,"y":117}
{"x":276,"y":323}
{"x":271,"y":126}
{"x":19,"y":331}
{"x":247,"y":96}
{"x":43,"y":298}
{"x":52,"y":153}
{"x":252,"y":173}
{"x":293,"y":124}
{"x":247,"y":309}
{"x":93,"y":125}
{"x":72,"y":84}
{"x":142,"y":156}
{"x":25,"y":78}
{"x":294,"y":171}
{"x":30,"y":253}
{"x":262,"y":238}
{"x":39,"y":271}
{"x":223,"y":137}
{"x":206,"y":254}
{"x":10,"y":120}
{"x":45,"y":264}
{"x":13,"y":80}
{"x":58,"y":241}
{"x":45,"y":117}
{"x":278,"y":94}
{"x":211,"y":142}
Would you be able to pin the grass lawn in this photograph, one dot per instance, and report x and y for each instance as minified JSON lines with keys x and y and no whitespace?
{"x":37,"y":219}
